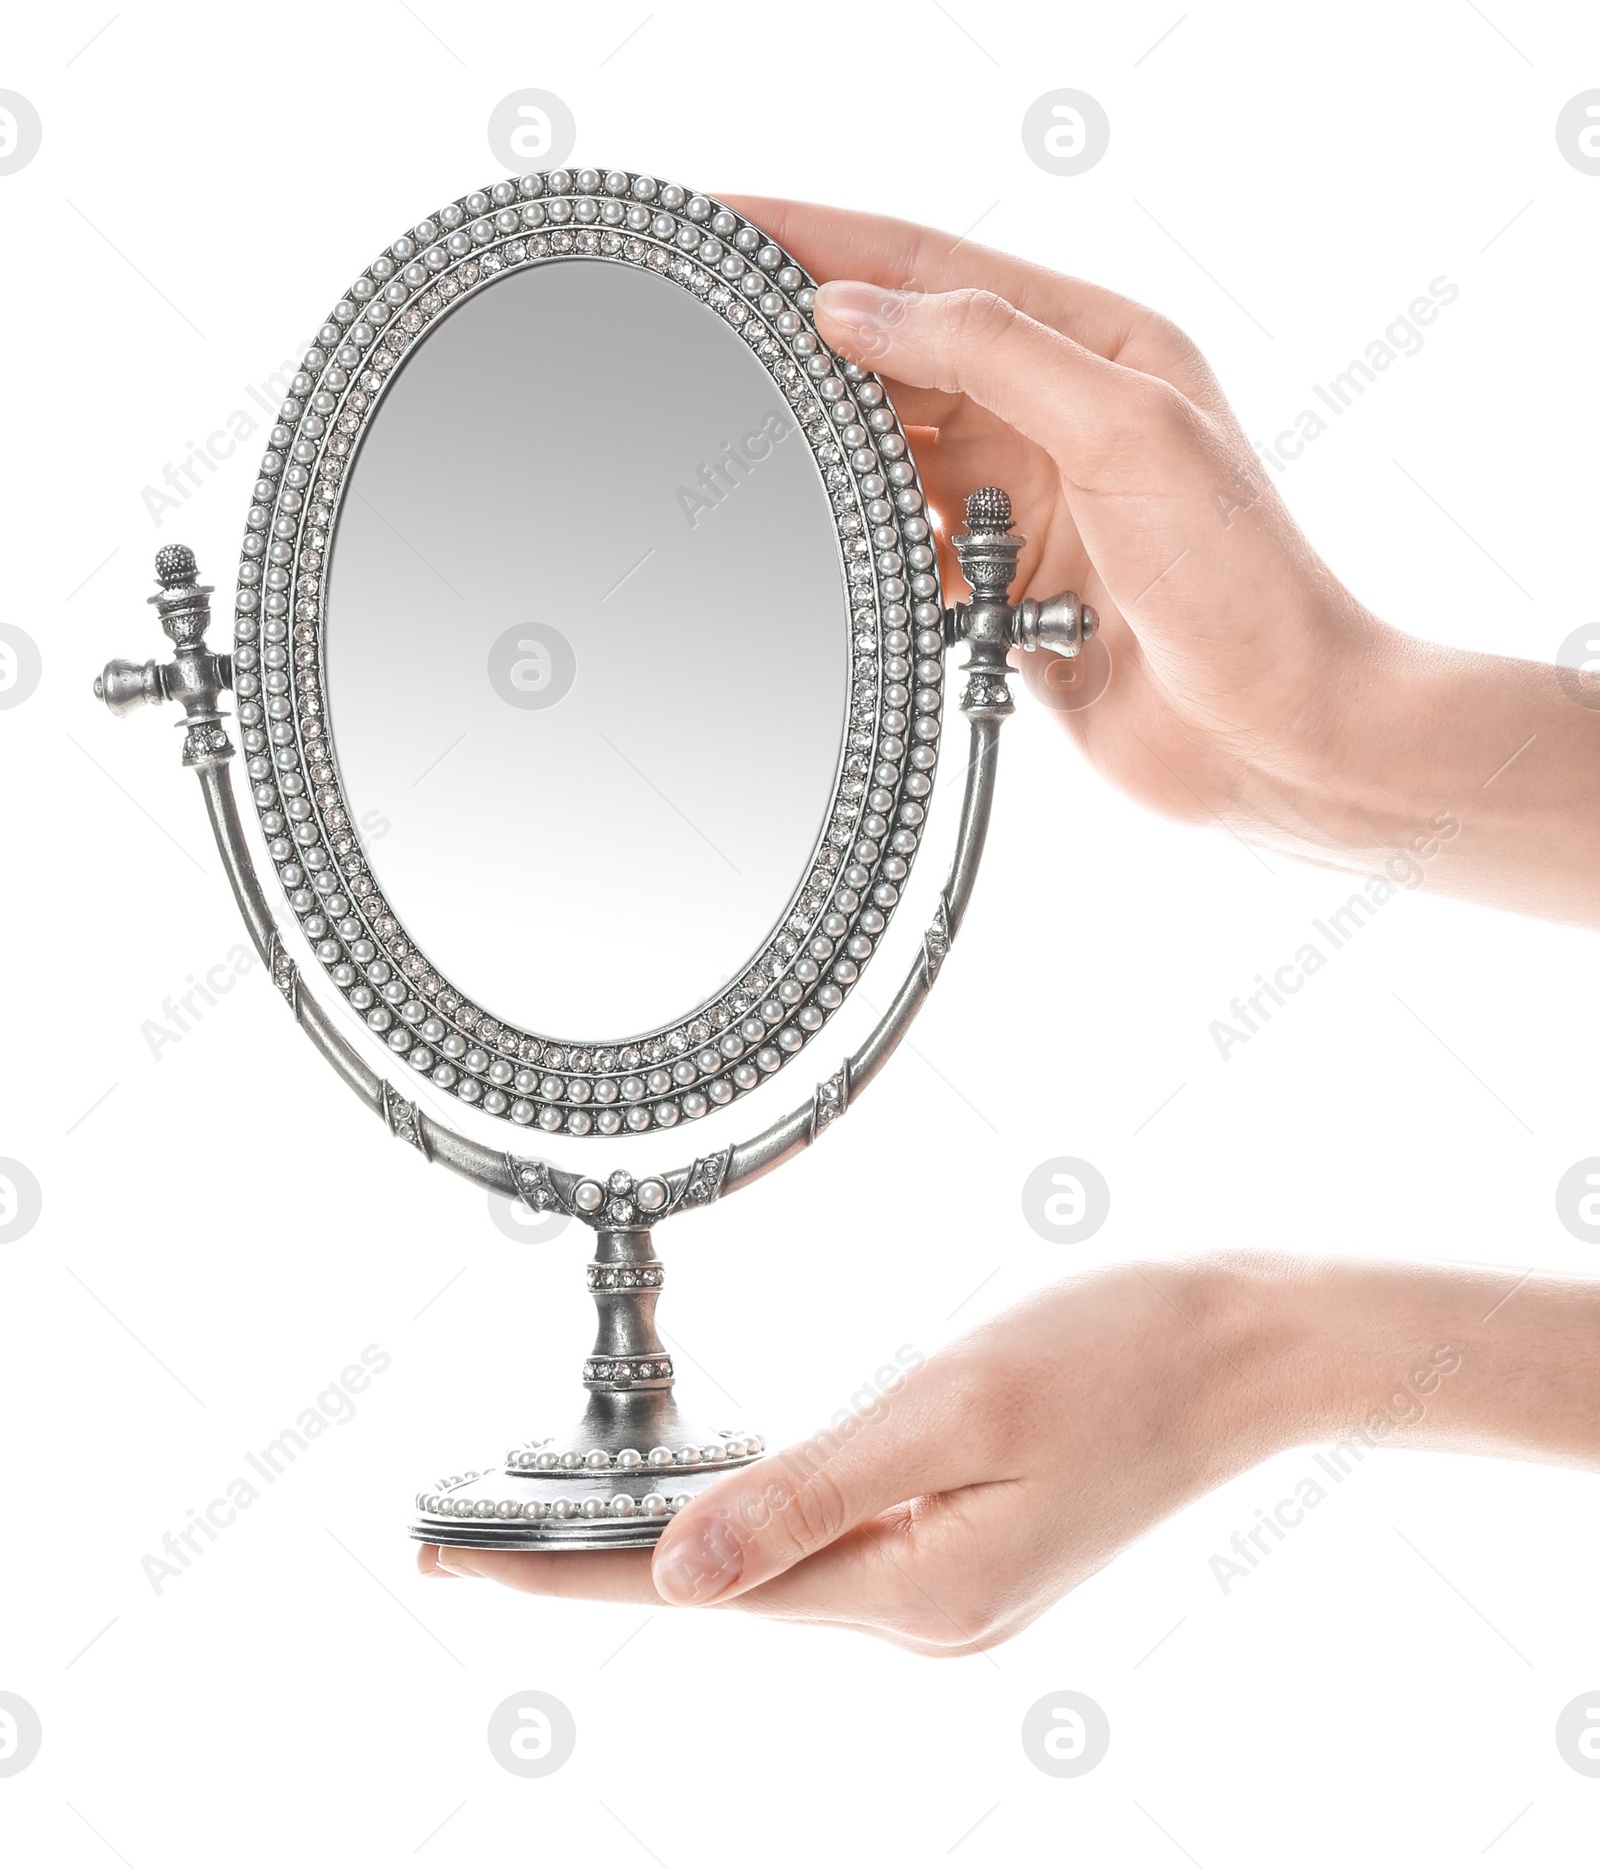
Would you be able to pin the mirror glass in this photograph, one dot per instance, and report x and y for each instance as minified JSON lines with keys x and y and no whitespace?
{"x":587,"y":649}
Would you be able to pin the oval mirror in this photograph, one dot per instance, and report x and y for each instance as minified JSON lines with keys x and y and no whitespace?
{"x":588,"y":580}
{"x":588,"y":654}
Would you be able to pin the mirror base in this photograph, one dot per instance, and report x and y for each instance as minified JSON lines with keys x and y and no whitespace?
{"x":631,"y":1461}
{"x":573,"y":1501}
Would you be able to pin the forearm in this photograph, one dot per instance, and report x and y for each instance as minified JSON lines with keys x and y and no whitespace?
{"x":1482,"y":771}
{"x":1448,"y":1358}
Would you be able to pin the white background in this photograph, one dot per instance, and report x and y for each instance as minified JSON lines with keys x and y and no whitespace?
{"x":225,"y":1229}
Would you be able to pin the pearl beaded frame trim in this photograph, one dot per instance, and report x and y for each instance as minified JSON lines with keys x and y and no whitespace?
{"x":843,"y":903}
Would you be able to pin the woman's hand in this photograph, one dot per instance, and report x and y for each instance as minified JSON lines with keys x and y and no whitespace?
{"x":989,"y":1482}
{"x":1248,"y":686}
{"x":1017,"y":1462}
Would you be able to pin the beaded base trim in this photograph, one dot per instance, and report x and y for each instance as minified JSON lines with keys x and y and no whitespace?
{"x":622,"y":1486}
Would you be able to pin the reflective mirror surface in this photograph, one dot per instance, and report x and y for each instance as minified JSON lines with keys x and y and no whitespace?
{"x":587,"y":649}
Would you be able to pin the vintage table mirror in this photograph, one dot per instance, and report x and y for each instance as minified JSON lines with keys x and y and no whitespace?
{"x":588,"y":658}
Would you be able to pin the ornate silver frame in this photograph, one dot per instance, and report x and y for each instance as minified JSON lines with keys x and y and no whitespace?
{"x":863,"y":854}
{"x":605,"y":1483}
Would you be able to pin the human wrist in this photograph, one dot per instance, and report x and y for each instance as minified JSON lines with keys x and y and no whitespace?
{"x":1459,"y":1359}
{"x":1332,"y":1349}
{"x":1360,"y":773}
{"x":1472,"y":772}
{"x":1271,"y":1388}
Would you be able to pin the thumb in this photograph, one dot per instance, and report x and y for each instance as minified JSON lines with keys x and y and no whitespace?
{"x":917,"y":1437}
{"x":1110,"y":429}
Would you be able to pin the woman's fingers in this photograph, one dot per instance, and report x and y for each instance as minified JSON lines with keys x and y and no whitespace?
{"x":916,"y":1575}
{"x":928,"y":1437}
{"x":866,"y":1579}
{"x":624,"y":1577}
{"x":926,"y":1574}
{"x":834,"y":243}
{"x":604,"y":1576}
{"x":1108,"y":428}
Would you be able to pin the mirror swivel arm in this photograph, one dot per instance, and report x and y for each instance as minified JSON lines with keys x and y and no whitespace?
{"x":989,"y":623}
{"x":195,"y":678}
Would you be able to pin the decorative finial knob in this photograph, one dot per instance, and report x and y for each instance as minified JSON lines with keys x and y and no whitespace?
{"x":175,"y":567}
{"x":989,"y":510}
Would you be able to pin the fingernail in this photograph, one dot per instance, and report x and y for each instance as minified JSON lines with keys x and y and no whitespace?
{"x":458,"y":1563}
{"x":860,"y":307}
{"x":701,"y":1565}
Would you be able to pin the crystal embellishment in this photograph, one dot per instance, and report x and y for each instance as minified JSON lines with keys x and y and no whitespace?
{"x":861,"y":858}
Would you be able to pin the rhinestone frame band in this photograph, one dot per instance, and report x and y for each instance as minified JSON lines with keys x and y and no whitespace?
{"x":841,"y":908}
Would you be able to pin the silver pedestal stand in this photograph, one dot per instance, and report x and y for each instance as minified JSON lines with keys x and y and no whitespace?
{"x":632,"y":1459}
